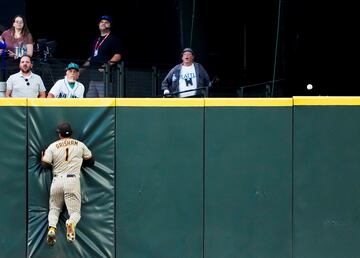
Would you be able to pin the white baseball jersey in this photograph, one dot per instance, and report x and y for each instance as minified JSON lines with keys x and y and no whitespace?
{"x":66,"y":156}
{"x":62,"y":89}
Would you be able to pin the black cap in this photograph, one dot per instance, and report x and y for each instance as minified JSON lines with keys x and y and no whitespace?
{"x":64,"y":129}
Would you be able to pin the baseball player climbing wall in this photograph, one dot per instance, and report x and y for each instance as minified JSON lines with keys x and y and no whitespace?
{"x":93,"y":124}
{"x":65,"y":156}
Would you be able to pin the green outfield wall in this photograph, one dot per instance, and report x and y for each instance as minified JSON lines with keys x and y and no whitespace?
{"x":248,"y":179}
{"x":326,"y":204}
{"x":188,"y":178}
{"x":13,"y":177}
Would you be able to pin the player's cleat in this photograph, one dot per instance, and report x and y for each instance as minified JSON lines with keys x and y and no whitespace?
{"x":51,"y":236}
{"x":70,"y":231}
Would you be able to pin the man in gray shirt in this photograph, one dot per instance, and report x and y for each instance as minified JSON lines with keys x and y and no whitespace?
{"x":25,"y":84}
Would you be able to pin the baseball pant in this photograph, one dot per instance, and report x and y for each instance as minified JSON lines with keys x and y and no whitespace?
{"x":65,"y":189}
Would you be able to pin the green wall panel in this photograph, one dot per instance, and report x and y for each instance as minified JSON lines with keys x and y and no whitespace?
{"x":176,"y":179}
{"x":13,"y":178}
{"x":159,"y":182}
{"x":248,"y":182}
{"x":95,"y":126}
{"x":326,"y":181}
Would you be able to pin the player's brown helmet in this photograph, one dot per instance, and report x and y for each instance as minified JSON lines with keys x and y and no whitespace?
{"x":64,"y":129}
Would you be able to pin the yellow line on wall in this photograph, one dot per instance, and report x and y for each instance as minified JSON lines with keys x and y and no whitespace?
{"x":13,"y":102}
{"x":235,"y":102}
{"x":182,"y":102}
{"x":326,"y":101}
{"x":86,"y":102}
{"x":160,"y":102}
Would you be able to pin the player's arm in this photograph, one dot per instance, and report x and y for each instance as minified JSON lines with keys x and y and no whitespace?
{"x":88,"y":157}
{"x":89,"y":162}
{"x":44,"y":162}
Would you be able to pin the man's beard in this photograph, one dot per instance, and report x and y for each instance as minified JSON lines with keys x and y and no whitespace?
{"x":25,"y":69}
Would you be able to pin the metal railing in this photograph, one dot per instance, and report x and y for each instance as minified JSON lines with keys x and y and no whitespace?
{"x":130,"y":80}
{"x":263,"y":89}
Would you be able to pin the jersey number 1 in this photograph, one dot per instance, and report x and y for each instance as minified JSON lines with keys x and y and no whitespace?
{"x":67,"y":154}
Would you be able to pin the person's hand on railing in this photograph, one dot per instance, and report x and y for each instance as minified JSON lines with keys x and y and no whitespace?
{"x":203,"y":90}
{"x":167,"y":93}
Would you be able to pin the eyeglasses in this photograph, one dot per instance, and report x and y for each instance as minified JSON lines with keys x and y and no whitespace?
{"x":27,"y":82}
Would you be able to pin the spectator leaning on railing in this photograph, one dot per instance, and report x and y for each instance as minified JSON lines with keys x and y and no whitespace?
{"x":105,"y":50}
{"x":185,"y":78}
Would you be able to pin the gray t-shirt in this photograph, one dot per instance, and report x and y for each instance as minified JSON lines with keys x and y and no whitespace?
{"x":25,"y":87}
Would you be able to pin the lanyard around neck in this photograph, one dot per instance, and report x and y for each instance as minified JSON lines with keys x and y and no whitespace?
{"x":98,"y":43}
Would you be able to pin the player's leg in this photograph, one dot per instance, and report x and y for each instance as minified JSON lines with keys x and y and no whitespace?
{"x":73,"y":204}
{"x":51,"y":236}
{"x":56,"y":202}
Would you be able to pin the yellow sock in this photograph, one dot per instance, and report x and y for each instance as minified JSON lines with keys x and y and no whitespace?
{"x":53,"y":228}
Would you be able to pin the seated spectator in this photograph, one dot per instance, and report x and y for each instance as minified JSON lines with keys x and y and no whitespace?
{"x":25,"y":83}
{"x":68,"y":87}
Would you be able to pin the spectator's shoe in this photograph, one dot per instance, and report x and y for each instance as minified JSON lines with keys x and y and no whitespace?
{"x":70,"y":231}
{"x":51,"y":236}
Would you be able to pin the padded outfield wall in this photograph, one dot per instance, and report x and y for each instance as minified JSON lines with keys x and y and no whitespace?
{"x":202,"y":178}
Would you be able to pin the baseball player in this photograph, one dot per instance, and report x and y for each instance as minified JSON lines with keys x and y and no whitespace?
{"x":65,"y":156}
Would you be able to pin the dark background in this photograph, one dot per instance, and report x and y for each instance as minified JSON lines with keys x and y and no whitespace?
{"x":243,"y":43}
